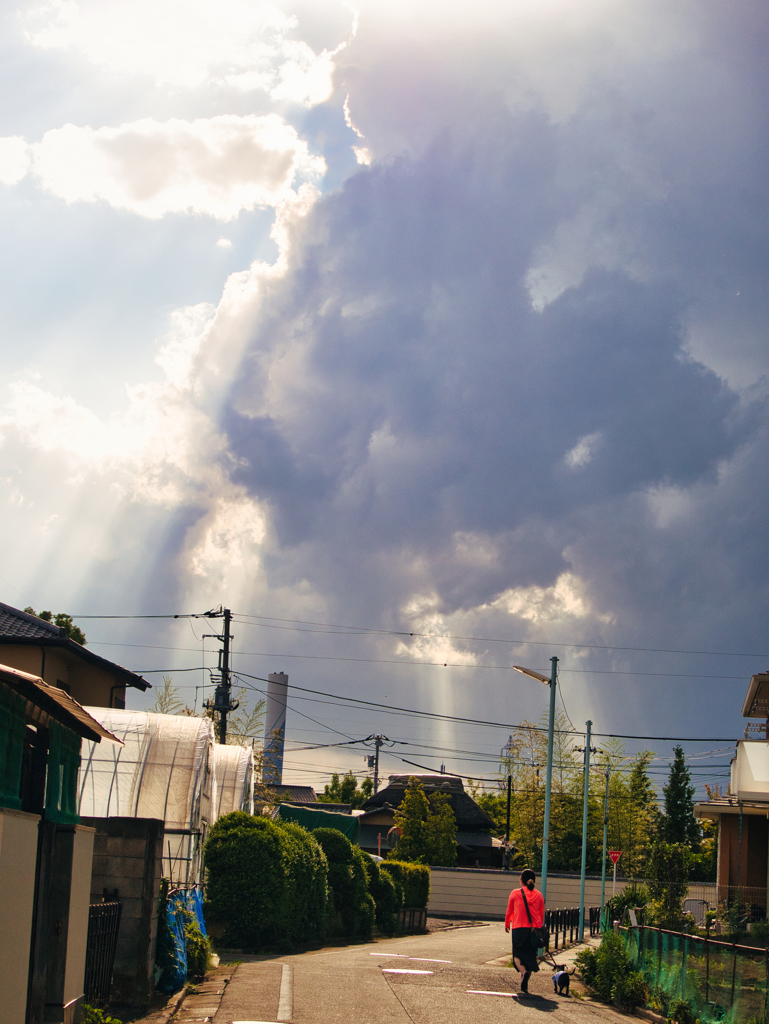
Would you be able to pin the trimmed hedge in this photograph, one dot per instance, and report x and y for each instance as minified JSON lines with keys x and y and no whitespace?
{"x":388,"y":897}
{"x":414,"y":878}
{"x":352,"y":907}
{"x":266,"y":882}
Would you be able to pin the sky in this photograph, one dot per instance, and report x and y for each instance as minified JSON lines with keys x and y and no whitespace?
{"x":430,"y":339}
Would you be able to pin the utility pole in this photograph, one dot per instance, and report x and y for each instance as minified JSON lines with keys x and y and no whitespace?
{"x":581,"y":932}
{"x":222,"y":702}
{"x":378,"y":741}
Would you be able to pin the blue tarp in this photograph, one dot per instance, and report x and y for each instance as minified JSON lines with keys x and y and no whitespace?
{"x":173,"y":952}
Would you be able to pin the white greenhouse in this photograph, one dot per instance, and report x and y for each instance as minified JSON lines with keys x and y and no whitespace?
{"x":234,"y":779}
{"x":166,"y":769}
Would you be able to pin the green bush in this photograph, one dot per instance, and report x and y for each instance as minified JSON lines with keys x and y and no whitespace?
{"x":388,"y":897}
{"x":353,"y":909}
{"x":93,"y":1015}
{"x":336,"y":846}
{"x":630,"y":991}
{"x":631,"y":897}
{"x":266,"y":882}
{"x":414,"y":878}
{"x":198,"y":950}
{"x":607,"y":969}
{"x":587,"y":966}
{"x":680,"y":1011}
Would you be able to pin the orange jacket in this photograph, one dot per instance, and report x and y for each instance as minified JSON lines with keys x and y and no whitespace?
{"x":517,"y":917}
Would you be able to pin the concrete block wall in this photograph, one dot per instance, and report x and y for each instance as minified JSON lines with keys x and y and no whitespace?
{"x":128,"y":856}
{"x":483,"y":893}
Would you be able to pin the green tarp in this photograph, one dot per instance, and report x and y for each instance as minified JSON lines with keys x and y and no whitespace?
{"x":311,"y":819}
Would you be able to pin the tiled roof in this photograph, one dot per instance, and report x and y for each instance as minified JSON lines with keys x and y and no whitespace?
{"x":17,"y":627}
{"x":295,"y":794}
{"x":16,"y":623}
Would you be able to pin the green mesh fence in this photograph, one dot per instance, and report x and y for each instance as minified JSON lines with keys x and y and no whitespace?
{"x":719,"y":981}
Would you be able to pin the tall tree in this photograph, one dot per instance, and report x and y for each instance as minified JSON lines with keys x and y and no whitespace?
{"x":428,"y":827}
{"x":441,"y":832}
{"x":678,"y":824}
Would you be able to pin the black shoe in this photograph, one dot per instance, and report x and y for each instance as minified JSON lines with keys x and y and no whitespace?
{"x":525,"y":982}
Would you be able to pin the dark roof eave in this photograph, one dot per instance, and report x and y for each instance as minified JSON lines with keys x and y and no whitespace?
{"x":56,"y":704}
{"x":123,"y":674}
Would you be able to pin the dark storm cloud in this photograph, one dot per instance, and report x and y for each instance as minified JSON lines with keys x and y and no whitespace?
{"x":432,"y":399}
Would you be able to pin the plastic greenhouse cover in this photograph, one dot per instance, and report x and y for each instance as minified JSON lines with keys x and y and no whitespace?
{"x":165,"y":769}
{"x":234,"y":779}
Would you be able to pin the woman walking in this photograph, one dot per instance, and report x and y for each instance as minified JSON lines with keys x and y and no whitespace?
{"x":525,"y":910}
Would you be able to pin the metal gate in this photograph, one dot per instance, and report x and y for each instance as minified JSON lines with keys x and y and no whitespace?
{"x":103,"y":925}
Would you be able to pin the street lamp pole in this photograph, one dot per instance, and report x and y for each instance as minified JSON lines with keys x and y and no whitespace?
{"x":605,"y":836}
{"x":552,"y":683}
{"x":586,"y":798}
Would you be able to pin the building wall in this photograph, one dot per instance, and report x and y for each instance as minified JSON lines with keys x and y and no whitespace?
{"x":128,"y":858}
{"x":65,"y":922}
{"x":88,"y":684}
{"x":18,"y":853}
{"x":743,"y":863}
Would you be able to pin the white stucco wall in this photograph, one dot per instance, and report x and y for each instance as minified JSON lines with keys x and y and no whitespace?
{"x":18,"y":855}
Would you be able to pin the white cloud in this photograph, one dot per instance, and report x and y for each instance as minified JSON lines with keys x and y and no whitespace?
{"x":583,"y":451}
{"x":190,"y":43}
{"x":216,"y":166}
{"x":14,"y":159}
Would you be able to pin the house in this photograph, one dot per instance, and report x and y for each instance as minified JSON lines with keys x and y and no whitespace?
{"x":45,"y":851}
{"x":743,"y":812}
{"x":475,"y":845}
{"x":33,"y":645}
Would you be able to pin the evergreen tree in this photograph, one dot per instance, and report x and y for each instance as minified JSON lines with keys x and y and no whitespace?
{"x":411,"y":819}
{"x":678,"y":824}
{"x":428,"y":827}
{"x":441,"y":832}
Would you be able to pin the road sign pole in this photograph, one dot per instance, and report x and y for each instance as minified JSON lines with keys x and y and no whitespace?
{"x":614,"y":882}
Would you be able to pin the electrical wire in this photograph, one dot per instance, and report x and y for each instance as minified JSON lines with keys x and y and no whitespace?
{"x":365,"y":630}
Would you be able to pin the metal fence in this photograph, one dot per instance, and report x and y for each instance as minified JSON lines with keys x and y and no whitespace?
{"x":717,"y":979}
{"x":563,"y":923}
{"x":103,"y":926}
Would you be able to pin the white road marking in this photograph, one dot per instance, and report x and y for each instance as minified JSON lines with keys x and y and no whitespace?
{"x":480,"y":992}
{"x":403,"y":955}
{"x":286,"y":1000}
{"x":427,"y":960}
{"x":403,"y":970}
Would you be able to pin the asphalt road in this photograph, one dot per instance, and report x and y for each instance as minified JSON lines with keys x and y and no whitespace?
{"x":441,"y":978}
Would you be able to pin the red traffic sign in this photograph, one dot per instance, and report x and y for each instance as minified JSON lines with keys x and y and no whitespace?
{"x":615,"y":855}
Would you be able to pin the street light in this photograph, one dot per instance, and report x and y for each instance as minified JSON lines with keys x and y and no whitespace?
{"x":551,"y":682}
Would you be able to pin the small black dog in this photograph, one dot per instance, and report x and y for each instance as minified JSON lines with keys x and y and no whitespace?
{"x":561,"y":981}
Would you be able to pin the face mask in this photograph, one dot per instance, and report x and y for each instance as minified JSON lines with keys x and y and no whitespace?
{"x":529,"y":885}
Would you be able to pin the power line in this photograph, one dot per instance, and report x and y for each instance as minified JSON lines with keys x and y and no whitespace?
{"x":499,"y":725}
{"x":366,"y":630}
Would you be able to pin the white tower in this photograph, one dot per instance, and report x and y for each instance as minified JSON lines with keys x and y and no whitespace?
{"x":275,"y":728}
